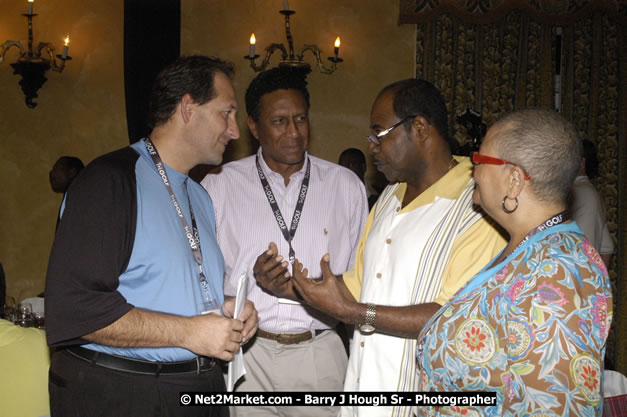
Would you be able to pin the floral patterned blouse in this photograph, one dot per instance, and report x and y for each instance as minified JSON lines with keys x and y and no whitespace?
{"x":532,"y":328}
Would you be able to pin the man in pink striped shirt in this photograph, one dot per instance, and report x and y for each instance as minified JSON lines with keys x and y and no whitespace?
{"x":285,"y":203}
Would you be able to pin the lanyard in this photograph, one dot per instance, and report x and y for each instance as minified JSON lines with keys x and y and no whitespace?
{"x":484,"y":274}
{"x":304,"y":186}
{"x":551,"y":221}
{"x":190,"y":233}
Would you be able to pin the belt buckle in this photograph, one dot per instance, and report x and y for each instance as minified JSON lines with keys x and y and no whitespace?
{"x":211,"y":362}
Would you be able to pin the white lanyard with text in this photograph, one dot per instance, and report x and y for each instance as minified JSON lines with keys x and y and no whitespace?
{"x":191,"y":234}
{"x":288,"y":235}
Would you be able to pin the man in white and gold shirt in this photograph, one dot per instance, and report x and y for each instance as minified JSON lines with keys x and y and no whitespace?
{"x":423,"y":239}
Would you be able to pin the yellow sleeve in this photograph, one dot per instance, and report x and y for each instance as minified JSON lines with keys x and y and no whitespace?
{"x":471,"y":251}
{"x":24,"y":355}
{"x":354,"y":276}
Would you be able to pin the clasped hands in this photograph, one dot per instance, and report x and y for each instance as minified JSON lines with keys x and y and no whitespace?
{"x":328,"y":294}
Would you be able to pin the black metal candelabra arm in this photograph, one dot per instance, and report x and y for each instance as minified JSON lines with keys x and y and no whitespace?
{"x":32,"y":64}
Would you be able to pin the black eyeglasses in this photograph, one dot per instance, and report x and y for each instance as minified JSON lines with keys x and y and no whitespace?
{"x":375,"y":138}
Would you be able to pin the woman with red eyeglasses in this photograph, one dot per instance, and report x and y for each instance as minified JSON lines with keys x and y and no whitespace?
{"x":532,"y":325}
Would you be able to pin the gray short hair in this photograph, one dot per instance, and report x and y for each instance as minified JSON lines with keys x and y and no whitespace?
{"x":546,"y":146}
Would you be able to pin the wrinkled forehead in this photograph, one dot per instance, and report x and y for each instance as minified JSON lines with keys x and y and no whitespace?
{"x":223,"y":86}
{"x":283,"y":99}
{"x":382,"y":109}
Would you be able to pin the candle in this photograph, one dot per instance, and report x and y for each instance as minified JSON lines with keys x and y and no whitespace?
{"x":337,"y":46}
{"x":251,"y":52}
{"x":66,"y":46}
{"x":30,"y":6}
{"x":286,"y":6}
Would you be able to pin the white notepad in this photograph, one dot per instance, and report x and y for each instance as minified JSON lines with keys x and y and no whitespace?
{"x":236,"y":366}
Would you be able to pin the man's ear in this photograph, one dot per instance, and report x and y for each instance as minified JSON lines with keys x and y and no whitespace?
{"x":252,"y":125}
{"x":186,"y":108}
{"x":421,"y":128}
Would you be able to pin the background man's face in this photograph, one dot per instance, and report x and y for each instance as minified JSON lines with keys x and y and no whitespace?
{"x":60,"y":176}
{"x":354,"y":164}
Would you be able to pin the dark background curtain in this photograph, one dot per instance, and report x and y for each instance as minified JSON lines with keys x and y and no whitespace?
{"x":152,"y":38}
{"x":497,"y":56}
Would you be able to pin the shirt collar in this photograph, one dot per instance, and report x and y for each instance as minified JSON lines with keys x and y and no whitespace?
{"x":174,"y":176}
{"x":272,"y":174}
{"x":450,"y":186}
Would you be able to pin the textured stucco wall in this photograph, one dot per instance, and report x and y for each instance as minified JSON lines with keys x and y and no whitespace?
{"x":375,"y":49}
{"x":81,"y":111}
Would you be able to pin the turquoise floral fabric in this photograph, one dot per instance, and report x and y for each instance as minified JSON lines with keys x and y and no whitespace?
{"x":532,"y":328}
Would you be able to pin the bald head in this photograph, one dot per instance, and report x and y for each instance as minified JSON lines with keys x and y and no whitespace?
{"x":416,"y":97}
{"x":545,"y":145}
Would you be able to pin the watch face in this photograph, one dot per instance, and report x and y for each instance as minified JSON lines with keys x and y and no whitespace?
{"x":366,"y":328}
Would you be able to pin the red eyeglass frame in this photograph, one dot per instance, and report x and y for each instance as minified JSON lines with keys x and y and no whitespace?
{"x":478,"y":158}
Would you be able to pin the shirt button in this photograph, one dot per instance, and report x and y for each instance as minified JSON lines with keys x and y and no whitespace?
{"x":362,"y":344}
{"x":398,"y":209}
{"x":379,"y":275}
{"x":388,"y":241}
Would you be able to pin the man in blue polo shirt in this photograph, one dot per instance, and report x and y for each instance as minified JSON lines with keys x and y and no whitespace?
{"x":135,"y":263}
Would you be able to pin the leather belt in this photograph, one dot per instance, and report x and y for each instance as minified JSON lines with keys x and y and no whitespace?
{"x":138,"y":366}
{"x":289,"y":338}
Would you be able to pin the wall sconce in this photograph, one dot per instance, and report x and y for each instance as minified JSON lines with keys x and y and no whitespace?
{"x":31,"y":65}
{"x":289,"y":58}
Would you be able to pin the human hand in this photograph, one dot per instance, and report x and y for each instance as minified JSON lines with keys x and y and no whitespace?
{"x":271,"y":273}
{"x":213,"y":335}
{"x":248,"y":317}
{"x":329,"y":295}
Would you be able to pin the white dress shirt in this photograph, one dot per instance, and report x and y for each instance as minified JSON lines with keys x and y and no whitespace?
{"x":588,"y":210}
{"x":332,"y":220}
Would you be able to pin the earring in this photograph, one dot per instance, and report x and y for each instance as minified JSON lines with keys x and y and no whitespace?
{"x":505,"y":209}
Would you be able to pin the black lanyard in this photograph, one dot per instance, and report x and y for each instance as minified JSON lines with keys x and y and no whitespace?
{"x":191,"y":234}
{"x":304,"y":186}
{"x":551,"y":221}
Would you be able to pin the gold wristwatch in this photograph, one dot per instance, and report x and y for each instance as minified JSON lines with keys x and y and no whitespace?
{"x":367,"y":327}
